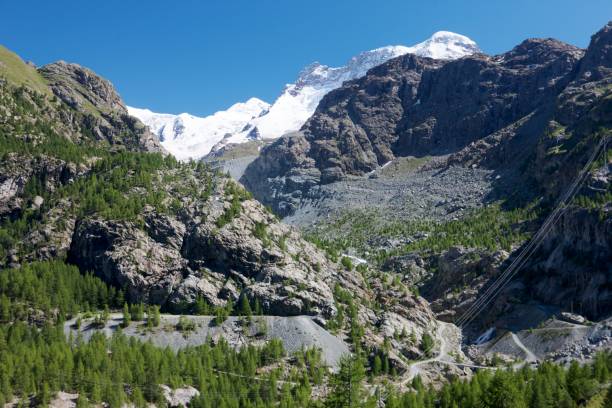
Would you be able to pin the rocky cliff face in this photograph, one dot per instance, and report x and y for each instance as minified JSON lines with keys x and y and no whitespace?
{"x":176,"y":258}
{"x":78,"y":86}
{"x":574,"y":266}
{"x":18,"y":170}
{"x":468,"y":269}
{"x":411,"y":106}
{"x":105,"y":114}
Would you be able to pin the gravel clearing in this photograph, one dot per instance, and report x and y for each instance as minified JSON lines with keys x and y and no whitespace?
{"x":554,"y":340}
{"x":295,"y":332}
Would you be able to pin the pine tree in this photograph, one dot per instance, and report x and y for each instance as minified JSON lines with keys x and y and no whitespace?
{"x":127,"y":318}
{"x":153,"y":316}
{"x":377,"y":365}
{"x":600,"y":368}
{"x":427,"y":344}
{"x":347,"y":387}
{"x":137,"y":312}
{"x":258,"y":309}
{"x":503,"y":393}
{"x":608,"y":401}
{"x":412,"y":338}
{"x":579,"y":385}
{"x":81,"y":401}
{"x":220,"y":316}
{"x":201,"y":307}
{"x":245,"y":307}
{"x":542,"y":393}
{"x":156,"y":316}
{"x":149,"y":317}
{"x":115,"y":396}
{"x":96,"y":392}
{"x":446,"y":399}
{"x":105,"y":315}
{"x":385,"y":364}
{"x":119,"y":298}
{"x":417,"y":384}
{"x":5,"y":309}
{"x":138,"y":398}
{"x":229,"y":307}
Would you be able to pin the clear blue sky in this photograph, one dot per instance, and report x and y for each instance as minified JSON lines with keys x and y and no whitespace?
{"x":202,"y":56}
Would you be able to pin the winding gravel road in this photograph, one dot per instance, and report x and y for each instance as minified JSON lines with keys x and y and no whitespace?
{"x":443,"y":357}
{"x":444,"y":332}
{"x":529,"y":356}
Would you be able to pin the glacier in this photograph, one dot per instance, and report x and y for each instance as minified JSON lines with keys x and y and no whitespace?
{"x":190,"y":137}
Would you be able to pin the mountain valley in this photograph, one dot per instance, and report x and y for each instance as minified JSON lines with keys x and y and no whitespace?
{"x":427,"y":226}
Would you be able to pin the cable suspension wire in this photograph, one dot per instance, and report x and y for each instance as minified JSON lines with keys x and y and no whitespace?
{"x":532,"y":246}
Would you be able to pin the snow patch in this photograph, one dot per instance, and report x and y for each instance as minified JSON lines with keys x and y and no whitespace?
{"x":356,"y":260}
{"x":486,"y":336}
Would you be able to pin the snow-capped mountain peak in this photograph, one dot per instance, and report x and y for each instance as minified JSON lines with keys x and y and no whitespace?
{"x":299,"y":100}
{"x":188,"y":136}
{"x":445,"y":45}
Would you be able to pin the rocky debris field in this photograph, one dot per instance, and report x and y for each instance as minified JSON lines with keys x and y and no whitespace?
{"x":552,"y":340}
{"x":404,"y":189}
{"x":295,"y":333}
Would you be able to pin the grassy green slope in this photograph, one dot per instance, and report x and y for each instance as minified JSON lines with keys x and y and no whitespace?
{"x":19,"y":73}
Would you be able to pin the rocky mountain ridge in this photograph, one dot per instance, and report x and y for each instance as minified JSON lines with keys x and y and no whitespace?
{"x":106,"y":115}
{"x":187,"y":136}
{"x":410,"y":106}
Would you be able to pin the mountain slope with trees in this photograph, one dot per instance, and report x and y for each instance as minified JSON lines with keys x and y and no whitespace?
{"x":95,"y":217}
{"x":525,"y":122}
{"x":84,"y":185}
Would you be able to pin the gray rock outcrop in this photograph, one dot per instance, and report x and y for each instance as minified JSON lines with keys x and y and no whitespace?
{"x":174,"y":260}
{"x":104,"y":113}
